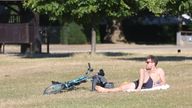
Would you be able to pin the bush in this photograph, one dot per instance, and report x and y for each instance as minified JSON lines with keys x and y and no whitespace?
{"x":151,"y":34}
{"x":71,"y":33}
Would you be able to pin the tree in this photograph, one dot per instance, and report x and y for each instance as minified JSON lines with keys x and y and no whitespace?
{"x":179,"y":7}
{"x":155,"y":6}
{"x":91,"y":12}
{"x":82,"y":11}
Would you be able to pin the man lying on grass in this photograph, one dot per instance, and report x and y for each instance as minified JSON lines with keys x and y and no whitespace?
{"x":149,"y":77}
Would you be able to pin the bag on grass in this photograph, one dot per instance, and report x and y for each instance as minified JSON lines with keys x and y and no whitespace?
{"x":100,"y":80}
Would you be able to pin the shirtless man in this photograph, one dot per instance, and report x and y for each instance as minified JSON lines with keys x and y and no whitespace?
{"x":149,"y":77}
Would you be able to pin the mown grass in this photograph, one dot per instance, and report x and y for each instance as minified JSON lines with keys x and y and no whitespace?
{"x":22,"y":81}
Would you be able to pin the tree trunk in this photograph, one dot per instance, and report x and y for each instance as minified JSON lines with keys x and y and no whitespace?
{"x":114,"y":33}
{"x":36,"y":45}
{"x":93,"y":41}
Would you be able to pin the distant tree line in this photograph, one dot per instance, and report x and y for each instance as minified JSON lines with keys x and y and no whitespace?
{"x":111,"y":19}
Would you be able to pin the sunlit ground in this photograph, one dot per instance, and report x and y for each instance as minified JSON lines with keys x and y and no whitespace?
{"x":22,"y":80}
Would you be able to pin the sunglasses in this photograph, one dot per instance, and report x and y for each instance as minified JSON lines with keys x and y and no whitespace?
{"x":148,"y":62}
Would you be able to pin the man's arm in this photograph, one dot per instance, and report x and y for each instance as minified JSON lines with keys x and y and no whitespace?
{"x":141,"y":79}
{"x":162,"y":76}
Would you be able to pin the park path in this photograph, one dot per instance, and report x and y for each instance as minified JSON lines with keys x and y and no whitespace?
{"x":114,"y":48}
{"x":58,"y":48}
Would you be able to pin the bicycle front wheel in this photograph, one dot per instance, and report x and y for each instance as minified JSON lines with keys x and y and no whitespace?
{"x":53,"y":89}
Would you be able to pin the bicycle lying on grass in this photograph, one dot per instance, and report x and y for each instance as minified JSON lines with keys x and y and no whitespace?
{"x":58,"y":87}
{"x":97,"y":79}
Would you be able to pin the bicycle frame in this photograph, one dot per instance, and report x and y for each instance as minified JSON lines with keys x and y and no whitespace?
{"x":58,"y":87}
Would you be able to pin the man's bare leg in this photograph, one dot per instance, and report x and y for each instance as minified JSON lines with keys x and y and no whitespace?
{"x":123,"y":87}
{"x":106,"y":90}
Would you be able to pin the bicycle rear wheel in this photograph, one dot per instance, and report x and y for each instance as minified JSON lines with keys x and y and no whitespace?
{"x":53,"y":89}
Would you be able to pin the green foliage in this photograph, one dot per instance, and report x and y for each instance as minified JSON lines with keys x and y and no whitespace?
{"x":71,"y":33}
{"x":171,"y":7}
{"x":178,"y":7}
{"x":151,"y":34}
{"x":96,"y":9}
{"x":155,"y":6}
{"x":90,"y":10}
{"x":80,"y":9}
{"x":50,"y":7}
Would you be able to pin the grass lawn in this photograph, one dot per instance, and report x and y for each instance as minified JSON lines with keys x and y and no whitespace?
{"x":22,"y":81}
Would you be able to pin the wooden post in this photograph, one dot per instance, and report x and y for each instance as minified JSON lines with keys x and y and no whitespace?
{"x":93,"y":41}
{"x":0,"y":48}
{"x":48,"y":40}
{"x":3,"y":48}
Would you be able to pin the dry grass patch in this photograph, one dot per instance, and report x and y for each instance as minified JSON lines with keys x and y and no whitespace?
{"x":22,"y":81}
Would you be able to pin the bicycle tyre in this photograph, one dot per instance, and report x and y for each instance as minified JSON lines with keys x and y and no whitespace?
{"x":53,"y":89}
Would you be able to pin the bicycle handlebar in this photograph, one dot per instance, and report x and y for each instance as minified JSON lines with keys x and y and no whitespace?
{"x":89,"y":69}
{"x":89,"y":65}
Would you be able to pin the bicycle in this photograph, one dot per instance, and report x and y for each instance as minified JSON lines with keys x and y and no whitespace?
{"x":59,"y":87}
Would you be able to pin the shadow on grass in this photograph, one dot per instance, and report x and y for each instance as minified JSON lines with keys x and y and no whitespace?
{"x":46,"y":55}
{"x":114,"y":54}
{"x":160,"y":58}
{"x":60,"y":55}
{"x":110,"y":54}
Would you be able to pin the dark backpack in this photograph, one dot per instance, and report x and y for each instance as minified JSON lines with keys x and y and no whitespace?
{"x":100,"y":80}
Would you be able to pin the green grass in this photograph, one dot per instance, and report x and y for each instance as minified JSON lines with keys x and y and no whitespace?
{"x":22,"y":81}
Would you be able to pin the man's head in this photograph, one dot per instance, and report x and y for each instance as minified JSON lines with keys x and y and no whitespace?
{"x":151,"y":61}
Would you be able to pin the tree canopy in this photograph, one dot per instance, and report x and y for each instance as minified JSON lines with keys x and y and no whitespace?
{"x":178,"y":7}
{"x":80,"y":9}
{"x":93,"y":11}
{"x":96,"y":9}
